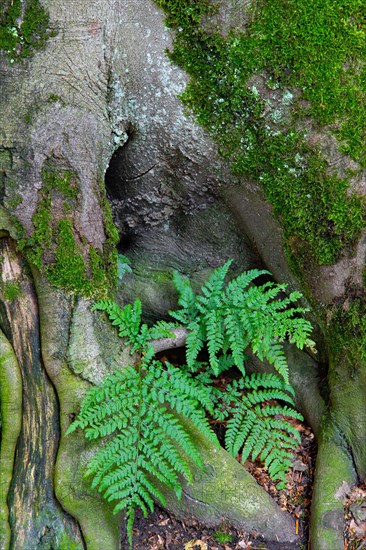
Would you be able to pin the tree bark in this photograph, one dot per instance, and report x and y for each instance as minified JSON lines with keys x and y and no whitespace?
{"x":93,"y":111}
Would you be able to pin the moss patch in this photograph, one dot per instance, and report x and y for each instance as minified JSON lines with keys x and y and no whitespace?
{"x":65,"y":181}
{"x":11,"y":420}
{"x":334,"y":468}
{"x":347,"y":374}
{"x":12,"y":290}
{"x":317,"y":49}
{"x":110,"y":254}
{"x":68,"y":270}
{"x":55,"y":246}
{"x":348,"y":328}
{"x":22,"y":31}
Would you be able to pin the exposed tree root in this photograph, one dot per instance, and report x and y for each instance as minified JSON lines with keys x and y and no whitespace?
{"x":11,"y":421}
{"x":35,"y":517}
{"x":334,"y":474}
{"x":226,"y":492}
{"x":99,"y":527}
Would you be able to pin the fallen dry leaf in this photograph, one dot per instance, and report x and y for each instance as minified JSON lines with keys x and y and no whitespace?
{"x":192,"y":543}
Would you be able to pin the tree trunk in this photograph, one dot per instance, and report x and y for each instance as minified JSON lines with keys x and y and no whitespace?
{"x":91,"y":109}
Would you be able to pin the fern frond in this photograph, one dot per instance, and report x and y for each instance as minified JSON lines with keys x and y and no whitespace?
{"x":256,"y":426}
{"x":215,"y":337}
{"x":237,"y":286}
{"x":141,"y":411}
{"x":212,"y":290}
{"x":186,"y":299}
{"x":137,"y":412}
{"x":238,"y":428}
{"x":267,"y":380}
{"x":161,"y":329}
{"x":236,"y":338}
{"x":127,"y":320}
{"x":231,"y":319}
{"x":195,"y":342}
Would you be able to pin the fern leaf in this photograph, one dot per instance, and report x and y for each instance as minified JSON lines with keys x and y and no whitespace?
{"x":215,"y":337}
{"x":212,"y":290}
{"x":236,"y":287}
{"x":144,"y":441}
{"x":187,"y":300}
{"x":255,"y":427}
{"x":141,"y":412}
{"x":195,"y":342}
{"x":236,"y":339}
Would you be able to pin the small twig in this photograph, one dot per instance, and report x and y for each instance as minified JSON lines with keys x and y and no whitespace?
{"x":163,"y":344}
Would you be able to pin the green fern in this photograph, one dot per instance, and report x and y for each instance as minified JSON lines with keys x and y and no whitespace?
{"x":136,"y":411}
{"x":257,"y":427}
{"x":239,"y":316}
{"x":139,"y":411}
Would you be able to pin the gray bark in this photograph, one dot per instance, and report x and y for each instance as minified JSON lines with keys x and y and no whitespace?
{"x":103,"y":93}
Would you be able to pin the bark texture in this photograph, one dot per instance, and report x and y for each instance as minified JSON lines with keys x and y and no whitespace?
{"x":35,"y":516}
{"x":94,"y":112}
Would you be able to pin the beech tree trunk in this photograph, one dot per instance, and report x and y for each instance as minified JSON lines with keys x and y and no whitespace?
{"x":90,"y":112}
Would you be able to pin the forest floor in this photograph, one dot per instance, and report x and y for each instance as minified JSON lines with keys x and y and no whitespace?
{"x":162,"y":531}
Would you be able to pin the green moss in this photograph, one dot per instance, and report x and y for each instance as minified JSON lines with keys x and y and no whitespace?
{"x":110,"y":255}
{"x":162,"y":277}
{"x":54,"y":98}
{"x":12,"y":290}
{"x":32,"y":113}
{"x":73,"y":265}
{"x":14,"y":201}
{"x":347,"y":329}
{"x":97,"y":266}
{"x":68,"y":269}
{"x":64,"y":181}
{"x":11,"y":421}
{"x":68,"y":544}
{"x":41,"y":238}
{"x":318,"y":50}
{"x":22,"y":32}
{"x":222,"y":537}
{"x":335,"y":468}
{"x":347,"y":373}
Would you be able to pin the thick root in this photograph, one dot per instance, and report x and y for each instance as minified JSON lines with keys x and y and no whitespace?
{"x":226,"y":492}
{"x":334,"y":474}
{"x":100,"y":528}
{"x":11,"y":421}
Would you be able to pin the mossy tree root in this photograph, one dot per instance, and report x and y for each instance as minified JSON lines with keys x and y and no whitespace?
{"x":35,"y":517}
{"x":11,"y":421}
{"x":226,"y":492}
{"x":334,"y":474}
{"x":99,"y":527}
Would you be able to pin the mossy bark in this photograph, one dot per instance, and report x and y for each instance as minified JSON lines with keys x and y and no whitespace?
{"x":11,"y":421}
{"x":97,"y":95}
{"x":35,"y":516}
{"x":334,"y":475}
{"x":99,"y":527}
{"x":226,"y":492}
{"x":347,"y":381}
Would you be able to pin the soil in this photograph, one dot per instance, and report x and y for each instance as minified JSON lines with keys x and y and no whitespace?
{"x":161,"y":531}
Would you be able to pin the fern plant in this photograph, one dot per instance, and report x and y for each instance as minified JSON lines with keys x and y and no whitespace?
{"x":132,"y":411}
{"x":239,"y":316}
{"x":138,"y":410}
{"x":257,"y":427}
